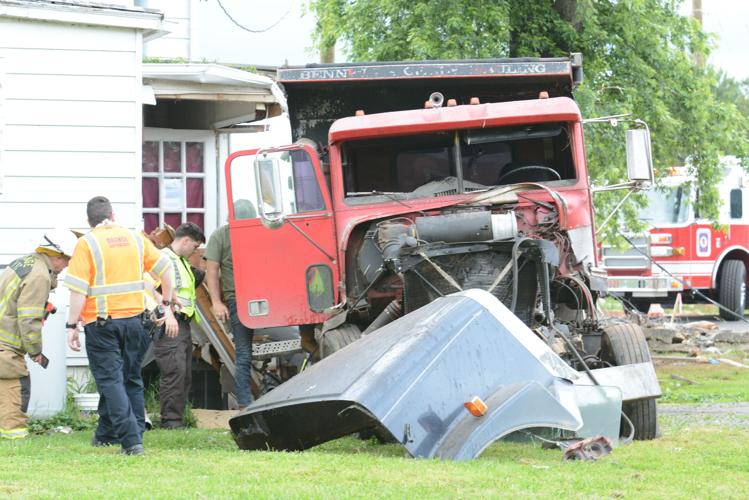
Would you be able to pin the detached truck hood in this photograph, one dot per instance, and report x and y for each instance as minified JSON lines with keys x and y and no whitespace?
{"x":413,"y":377}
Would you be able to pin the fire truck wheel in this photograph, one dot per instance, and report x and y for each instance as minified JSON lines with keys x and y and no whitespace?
{"x":337,"y":338}
{"x":625,"y":344}
{"x":732,"y":289}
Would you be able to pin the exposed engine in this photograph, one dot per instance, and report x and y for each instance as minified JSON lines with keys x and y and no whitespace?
{"x":406,"y":262}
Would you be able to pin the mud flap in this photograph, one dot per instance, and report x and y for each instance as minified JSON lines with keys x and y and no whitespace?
{"x":413,"y":376}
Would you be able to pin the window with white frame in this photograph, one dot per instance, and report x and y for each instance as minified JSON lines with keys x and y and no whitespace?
{"x":174,"y":183}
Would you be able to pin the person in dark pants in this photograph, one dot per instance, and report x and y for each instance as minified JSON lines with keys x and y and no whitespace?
{"x":105,"y":278}
{"x":174,"y":354}
{"x":219,"y":263}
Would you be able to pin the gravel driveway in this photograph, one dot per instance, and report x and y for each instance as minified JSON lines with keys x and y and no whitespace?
{"x":722,"y":414}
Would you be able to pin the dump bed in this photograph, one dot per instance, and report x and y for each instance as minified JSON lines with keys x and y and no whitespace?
{"x":319,"y":94}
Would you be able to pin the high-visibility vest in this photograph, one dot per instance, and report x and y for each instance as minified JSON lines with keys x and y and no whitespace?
{"x":183,"y":281}
{"x":107,"y":267}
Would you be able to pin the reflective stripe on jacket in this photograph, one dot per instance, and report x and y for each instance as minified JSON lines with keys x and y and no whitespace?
{"x":107,"y":267}
{"x":24,"y":290}
{"x":183,"y":281}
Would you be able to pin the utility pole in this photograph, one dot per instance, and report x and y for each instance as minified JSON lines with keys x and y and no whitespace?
{"x":699,"y":60}
{"x":327,"y":53}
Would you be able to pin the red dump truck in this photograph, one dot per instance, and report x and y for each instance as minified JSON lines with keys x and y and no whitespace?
{"x":411,"y":181}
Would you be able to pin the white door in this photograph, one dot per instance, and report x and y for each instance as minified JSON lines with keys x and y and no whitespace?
{"x":179,"y":178}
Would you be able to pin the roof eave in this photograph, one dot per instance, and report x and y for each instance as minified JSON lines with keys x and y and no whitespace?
{"x":150,"y":22}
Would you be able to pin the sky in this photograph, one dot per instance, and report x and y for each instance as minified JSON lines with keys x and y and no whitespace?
{"x":728,"y":20}
{"x":290,"y":39}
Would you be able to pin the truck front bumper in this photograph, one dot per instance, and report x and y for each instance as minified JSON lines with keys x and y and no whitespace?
{"x":644,"y":286}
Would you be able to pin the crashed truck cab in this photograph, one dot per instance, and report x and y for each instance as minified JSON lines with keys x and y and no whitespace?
{"x":374,"y":220}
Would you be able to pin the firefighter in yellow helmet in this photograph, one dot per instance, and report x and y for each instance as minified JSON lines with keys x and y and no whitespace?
{"x":24,"y":290}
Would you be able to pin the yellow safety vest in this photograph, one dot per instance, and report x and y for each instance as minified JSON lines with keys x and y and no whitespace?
{"x":107,"y":266}
{"x":183,"y":282}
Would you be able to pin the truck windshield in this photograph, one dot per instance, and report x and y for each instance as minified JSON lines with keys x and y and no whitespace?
{"x":667,"y":205}
{"x":426,"y":165}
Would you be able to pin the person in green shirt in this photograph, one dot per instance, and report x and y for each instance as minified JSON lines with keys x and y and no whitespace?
{"x":219,"y":264}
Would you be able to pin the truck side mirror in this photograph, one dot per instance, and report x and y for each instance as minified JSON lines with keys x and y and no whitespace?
{"x":268,"y":182}
{"x":639,"y":157}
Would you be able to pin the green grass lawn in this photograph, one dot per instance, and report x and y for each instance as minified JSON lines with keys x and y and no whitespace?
{"x":720,"y":383}
{"x":685,"y":462}
{"x":692,"y":459}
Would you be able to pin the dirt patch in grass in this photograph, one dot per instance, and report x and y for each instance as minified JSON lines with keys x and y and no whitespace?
{"x":213,"y":419}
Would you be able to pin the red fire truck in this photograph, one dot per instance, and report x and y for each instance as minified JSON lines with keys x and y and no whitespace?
{"x":414,"y":180}
{"x":682,"y":252}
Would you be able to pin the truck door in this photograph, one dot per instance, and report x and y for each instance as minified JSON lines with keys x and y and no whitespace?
{"x":282,"y":237}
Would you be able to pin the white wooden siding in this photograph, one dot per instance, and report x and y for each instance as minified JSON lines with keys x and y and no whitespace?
{"x":73,"y":113}
{"x":70,"y":87}
{"x":71,"y":164}
{"x":71,"y":127}
{"x":177,"y":43}
{"x":63,"y":37}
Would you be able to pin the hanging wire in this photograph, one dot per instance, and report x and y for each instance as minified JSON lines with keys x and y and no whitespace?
{"x":248,"y":29}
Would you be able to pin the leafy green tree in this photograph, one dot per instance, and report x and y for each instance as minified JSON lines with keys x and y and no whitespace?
{"x":730,"y":90}
{"x":639,"y":59}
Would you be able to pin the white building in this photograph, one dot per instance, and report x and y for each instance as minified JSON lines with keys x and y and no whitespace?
{"x":76,"y":121}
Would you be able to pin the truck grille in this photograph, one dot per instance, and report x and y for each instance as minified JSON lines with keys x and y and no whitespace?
{"x":628,"y":258}
{"x":472,"y":270}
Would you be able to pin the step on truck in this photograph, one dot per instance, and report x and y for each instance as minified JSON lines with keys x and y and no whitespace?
{"x":415,"y":193}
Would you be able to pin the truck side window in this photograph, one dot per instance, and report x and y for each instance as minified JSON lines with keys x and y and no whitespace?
{"x":307,"y":194}
{"x":243,"y":192}
{"x":737,"y":208}
{"x":274,"y":184}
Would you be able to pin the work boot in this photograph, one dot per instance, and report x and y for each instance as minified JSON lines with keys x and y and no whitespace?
{"x":135,"y":450}
{"x":96,"y":442}
{"x":172,"y":425}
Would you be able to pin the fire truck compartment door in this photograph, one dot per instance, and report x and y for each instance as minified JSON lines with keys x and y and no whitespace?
{"x":282,"y":237}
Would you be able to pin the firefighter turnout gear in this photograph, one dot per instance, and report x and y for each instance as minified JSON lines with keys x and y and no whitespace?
{"x":13,"y":376}
{"x":24,"y":290}
{"x":107,"y":267}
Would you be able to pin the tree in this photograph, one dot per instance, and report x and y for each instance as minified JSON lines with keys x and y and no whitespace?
{"x":638,"y":59}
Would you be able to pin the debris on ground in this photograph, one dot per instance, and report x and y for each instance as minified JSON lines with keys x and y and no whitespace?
{"x":694,"y":338}
{"x":684,"y":379}
{"x":733,"y":363}
{"x":589,"y":449}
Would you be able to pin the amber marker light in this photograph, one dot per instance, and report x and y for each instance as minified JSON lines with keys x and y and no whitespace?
{"x":679,"y":251}
{"x":660,"y":239}
{"x":476,"y":406}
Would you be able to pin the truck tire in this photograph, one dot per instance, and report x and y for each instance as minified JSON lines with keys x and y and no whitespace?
{"x":337,"y":338}
{"x":625,"y":344}
{"x":732,"y":289}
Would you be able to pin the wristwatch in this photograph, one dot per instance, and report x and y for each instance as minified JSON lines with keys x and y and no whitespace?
{"x":71,"y":326}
